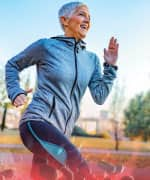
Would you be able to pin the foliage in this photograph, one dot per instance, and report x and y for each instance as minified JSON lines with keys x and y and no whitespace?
{"x":137,"y":116}
{"x":78,"y":131}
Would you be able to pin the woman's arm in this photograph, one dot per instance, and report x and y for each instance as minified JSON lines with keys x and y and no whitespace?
{"x":100,"y":84}
{"x":26,"y":58}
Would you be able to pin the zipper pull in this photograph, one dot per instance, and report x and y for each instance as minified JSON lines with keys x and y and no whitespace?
{"x":77,"y":49}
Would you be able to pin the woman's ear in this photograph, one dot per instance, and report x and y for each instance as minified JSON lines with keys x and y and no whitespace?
{"x":64,"y":21}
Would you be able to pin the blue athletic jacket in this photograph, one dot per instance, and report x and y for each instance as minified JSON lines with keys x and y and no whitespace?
{"x":64,"y":70}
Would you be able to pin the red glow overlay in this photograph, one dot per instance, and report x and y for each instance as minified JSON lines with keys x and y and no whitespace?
{"x":21,"y":166}
{"x":21,"y":171}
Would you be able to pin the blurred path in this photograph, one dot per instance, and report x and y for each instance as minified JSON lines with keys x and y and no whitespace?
{"x":99,"y":151}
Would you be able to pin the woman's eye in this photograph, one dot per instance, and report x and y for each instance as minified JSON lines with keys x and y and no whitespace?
{"x":81,"y":14}
{"x":84,"y":15}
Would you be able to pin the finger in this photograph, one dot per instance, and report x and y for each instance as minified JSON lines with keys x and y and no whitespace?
{"x":114,"y":46}
{"x":116,"y":49}
{"x":112,"y":40}
{"x":23,"y":100}
{"x":111,"y":43}
{"x":18,"y":104}
{"x":29,"y":90}
{"x":20,"y":100}
{"x":15,"y":104}
{"x":115,"y":41}
{"x":105,"y":52}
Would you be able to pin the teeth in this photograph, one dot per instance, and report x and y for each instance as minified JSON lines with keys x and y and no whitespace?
{"x":83,"y":26}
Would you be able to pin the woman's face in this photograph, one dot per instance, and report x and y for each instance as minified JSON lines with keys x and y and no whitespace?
{"x":78,"y":24}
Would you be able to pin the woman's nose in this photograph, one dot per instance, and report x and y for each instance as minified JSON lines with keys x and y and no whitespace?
{"x":87,"y":19}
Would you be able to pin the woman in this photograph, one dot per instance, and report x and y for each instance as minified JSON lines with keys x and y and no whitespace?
{"x":64,"y":70}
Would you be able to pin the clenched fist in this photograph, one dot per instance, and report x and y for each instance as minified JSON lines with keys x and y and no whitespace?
{"x":21,"y":99}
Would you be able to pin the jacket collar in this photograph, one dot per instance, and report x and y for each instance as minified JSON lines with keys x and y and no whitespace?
{"x":71,"y":41}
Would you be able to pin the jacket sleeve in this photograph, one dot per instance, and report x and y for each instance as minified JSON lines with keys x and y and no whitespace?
{"x":100,"y":84}
{"x":30,"y":56}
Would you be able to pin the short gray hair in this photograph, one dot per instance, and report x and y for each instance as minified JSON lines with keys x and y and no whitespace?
{"x":68,"y":9}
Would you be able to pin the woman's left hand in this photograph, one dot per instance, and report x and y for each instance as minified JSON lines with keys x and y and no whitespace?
{"x":111,"y":54}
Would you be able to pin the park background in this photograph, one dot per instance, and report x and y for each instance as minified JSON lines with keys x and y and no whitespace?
{"x":23,"y":22}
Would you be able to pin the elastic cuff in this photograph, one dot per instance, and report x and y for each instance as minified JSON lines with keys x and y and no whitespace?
{"x":110,"y":65}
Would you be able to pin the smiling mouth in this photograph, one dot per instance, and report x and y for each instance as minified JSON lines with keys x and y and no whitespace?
{"x":84,"y":27}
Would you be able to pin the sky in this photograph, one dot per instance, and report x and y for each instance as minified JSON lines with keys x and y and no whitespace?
{"x":23,"y":22}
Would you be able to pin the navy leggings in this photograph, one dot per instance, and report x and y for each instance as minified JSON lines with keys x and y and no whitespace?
{"x":51,"y":150}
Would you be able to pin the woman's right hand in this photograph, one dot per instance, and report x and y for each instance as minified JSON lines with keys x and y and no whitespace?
{"x":21,"y":99}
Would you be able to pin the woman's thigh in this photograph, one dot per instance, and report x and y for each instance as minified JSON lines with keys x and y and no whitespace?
{"x":43,"y":139}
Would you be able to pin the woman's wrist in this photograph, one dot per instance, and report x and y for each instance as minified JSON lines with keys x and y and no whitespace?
{"x":106,"y":64}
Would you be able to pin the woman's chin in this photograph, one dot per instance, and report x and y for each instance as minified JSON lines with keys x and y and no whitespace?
{"x":82,"y":36}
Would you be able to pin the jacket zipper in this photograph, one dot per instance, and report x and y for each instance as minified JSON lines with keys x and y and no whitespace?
{"x":74,"y":83}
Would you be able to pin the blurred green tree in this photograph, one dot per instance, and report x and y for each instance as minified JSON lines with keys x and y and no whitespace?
{"x":137,"y":116}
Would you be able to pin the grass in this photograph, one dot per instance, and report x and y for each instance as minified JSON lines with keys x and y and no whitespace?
{"x":110,"y":144}
{"x":10,"y":137}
